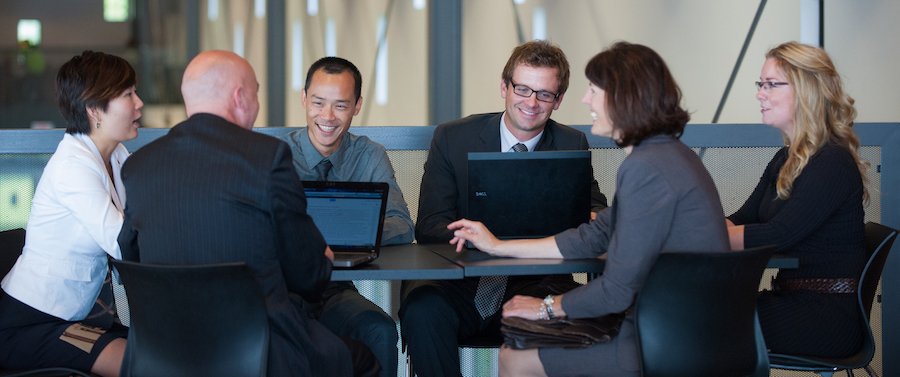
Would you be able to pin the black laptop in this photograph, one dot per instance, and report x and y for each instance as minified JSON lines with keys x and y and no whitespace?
{"x":350,"y":216}
{"x":530,"y":195}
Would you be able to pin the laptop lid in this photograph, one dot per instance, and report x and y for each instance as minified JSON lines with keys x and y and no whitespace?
{"x":350,"y":215}
{"x":530,"y":195}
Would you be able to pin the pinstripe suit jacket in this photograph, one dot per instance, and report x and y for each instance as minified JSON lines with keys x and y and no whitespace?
{"x":212,"y":192}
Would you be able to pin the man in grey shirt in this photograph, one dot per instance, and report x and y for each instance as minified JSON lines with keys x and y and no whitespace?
{"x":325,"y":151}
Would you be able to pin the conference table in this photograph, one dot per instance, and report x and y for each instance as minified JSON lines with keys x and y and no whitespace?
{"x":442,"y":262}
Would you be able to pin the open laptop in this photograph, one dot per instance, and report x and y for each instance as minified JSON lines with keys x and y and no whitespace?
{"x":529,"y":195}
{"x":350,"y":216}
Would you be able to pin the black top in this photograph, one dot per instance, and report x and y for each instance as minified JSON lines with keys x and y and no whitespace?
{"x":822,"y":223}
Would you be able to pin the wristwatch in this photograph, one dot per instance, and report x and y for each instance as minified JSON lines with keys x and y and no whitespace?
{"x":548,"y":301}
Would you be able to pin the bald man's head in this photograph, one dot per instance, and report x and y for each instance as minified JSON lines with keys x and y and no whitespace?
{"x":221,"y":83}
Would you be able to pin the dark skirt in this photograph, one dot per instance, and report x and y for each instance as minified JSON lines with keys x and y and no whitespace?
{"x":799,"y":322}
{"x":34,"y":339}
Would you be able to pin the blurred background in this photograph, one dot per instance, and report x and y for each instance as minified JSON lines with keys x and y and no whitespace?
{"x":401,"y":48}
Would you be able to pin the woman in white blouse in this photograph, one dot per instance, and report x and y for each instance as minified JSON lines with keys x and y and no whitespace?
{"x":55,"y":307}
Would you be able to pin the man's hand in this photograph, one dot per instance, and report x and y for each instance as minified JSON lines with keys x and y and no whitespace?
{"x":329,"y":254}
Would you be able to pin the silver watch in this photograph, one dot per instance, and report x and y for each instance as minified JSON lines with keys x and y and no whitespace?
{"x":548,"y":301}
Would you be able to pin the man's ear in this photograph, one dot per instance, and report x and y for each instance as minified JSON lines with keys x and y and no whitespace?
{"x":237,"y":99}
{"x":358,"y":106}
{"x":558,"y":101}
{"x":303,"y":97}
{"x":503,"y":87}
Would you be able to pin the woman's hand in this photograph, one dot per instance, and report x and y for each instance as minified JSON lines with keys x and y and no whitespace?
{"x":475,"y":232}
{"x":329,"y":254}
{"x":530,"y":307}
{"x":524,"y":307}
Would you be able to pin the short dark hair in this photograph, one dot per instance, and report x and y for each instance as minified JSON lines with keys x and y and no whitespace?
{"x":539,"y":54}
{"x":642,"y":98}
{"x":333,"y":65}
{"x":91,"y":79}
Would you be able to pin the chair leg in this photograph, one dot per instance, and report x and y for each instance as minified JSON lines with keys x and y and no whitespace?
{"x":871,"y":371}
{"x":849,"y":373}
{"x":409,"y":366}
{"x":826,"y":374}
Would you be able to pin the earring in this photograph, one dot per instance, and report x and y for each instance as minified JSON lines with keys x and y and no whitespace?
{"x":97,"y":125}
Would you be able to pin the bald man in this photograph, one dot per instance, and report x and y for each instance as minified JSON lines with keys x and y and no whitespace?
{"x":214,"y":191}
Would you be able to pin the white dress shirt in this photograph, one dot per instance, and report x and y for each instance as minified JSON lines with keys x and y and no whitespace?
{"x":76,"y":215}
{"x":507,"y":139}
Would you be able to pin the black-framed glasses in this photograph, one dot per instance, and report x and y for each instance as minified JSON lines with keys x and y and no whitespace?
{"x":768,"y":85}
{"x":525,"y":91}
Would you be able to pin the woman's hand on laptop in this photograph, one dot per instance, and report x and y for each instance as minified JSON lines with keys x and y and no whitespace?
{"x":479,"y":235}
{"x":474,"y":232}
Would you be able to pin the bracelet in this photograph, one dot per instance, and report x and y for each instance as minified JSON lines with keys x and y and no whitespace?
{"x":548,"y":303}
{"x":542,"y":312}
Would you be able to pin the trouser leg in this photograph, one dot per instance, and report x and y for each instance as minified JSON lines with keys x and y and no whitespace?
{"x":433,"y":316}
{"x":347,"y":313}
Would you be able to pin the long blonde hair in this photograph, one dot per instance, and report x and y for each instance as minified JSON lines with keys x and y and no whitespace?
{"x":822,"y":112}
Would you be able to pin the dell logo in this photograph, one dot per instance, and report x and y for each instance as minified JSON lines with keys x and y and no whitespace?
{"x":480,"y":193}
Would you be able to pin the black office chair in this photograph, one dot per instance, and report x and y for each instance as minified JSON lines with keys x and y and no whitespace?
{"x":879,"y":240}
{"x":11,"y":243}
{"x":205,"y":320}
{"x":696,"y":315}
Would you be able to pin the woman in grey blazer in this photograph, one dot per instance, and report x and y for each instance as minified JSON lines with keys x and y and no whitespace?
{"x":664,"y":200}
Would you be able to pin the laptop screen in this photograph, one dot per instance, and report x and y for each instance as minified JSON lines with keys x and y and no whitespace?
{"x":349,"y":215}
{"x":530,"y":195}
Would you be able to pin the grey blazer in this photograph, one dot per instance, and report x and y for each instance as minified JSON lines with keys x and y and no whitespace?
{"x":664,"y":200}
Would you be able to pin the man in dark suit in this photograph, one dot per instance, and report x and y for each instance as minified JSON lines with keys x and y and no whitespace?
{"x":435,"y":315}
{"x":214,"y":191}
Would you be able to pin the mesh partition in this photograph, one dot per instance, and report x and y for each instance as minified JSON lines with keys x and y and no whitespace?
{"x":408,"y":169}
{"x":19,"y":175}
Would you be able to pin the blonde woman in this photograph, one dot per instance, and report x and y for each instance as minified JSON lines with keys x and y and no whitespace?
{"x":809,"y":202}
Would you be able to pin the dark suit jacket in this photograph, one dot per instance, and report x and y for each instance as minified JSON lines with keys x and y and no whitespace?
{"x":442,"y":198}
{"x":212,"y":192}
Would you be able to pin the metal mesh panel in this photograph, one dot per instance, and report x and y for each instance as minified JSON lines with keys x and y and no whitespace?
{"x":122,"y":309}
{"x":380,"y":293}
{"x":478,"y":362}
{"x":19,"y":175}
{"x":408,"y":169}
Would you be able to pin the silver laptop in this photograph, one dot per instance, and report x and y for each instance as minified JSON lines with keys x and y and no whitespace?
{"x":350,"y":215}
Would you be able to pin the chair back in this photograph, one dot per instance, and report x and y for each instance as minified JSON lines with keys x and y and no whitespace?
{"x":11,"y":243}
{"x":207,"y":320}
{"x":696,"y":314}
{"x":879,"y":241}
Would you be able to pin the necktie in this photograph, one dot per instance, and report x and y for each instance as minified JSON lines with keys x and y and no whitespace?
{"x":323,"y":168}
{"x":490,"y":290}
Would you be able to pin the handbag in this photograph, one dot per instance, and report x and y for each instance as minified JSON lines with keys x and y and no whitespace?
{"x":520,"y":333}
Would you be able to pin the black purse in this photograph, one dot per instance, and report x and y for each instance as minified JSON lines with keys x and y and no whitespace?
{"x":520,"y":333}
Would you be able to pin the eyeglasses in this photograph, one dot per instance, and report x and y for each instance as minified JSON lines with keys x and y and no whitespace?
{"x":768,"y":85}
{"x":525,"y":91}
